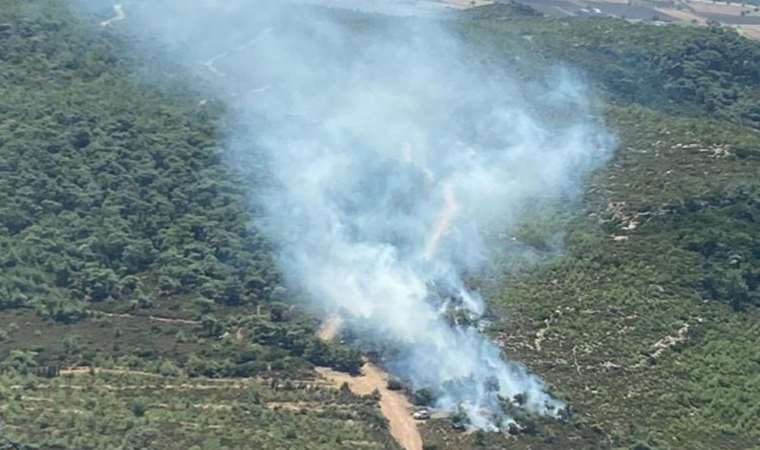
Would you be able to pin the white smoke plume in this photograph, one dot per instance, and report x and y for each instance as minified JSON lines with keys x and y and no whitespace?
{"x":393,"y":151}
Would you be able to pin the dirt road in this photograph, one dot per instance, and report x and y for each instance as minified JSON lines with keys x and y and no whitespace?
{"x":330,"y":328}
{"x":153,"y":318}
{"x":443,"y":223}
{"x":119,"y":15}
{"x":394,"y":406}
{"x":96,"y":370}
{"x":464,"y":4}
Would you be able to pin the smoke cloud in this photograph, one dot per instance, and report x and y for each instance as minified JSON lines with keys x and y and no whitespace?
{"x":394,"y":153}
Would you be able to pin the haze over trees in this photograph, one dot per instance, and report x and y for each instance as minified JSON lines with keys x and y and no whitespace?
{"x":126,"y":243}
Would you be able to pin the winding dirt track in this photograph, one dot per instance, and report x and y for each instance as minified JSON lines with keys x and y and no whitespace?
{"x":153,"y":318}
{"x":394,"y":405}
{"x":330,"y":328}
{"x":96,"y":370}
{"x":118,"y":10}
{"x":442,"y":225}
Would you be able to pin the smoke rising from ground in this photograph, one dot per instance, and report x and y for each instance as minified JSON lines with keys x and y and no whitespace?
{"x":393,"y":152}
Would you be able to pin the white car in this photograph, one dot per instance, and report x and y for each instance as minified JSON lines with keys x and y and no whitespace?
{"x":422,"y":414}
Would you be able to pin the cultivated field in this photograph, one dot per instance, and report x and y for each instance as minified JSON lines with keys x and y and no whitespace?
{"x":744,"y":18}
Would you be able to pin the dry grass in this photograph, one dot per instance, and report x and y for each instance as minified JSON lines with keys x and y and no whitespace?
{"x":749,"y":31}
{"x":731,"y":9}
{"x":682,"y":15}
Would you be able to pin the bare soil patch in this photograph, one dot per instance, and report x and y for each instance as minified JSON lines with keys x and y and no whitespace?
{"x":395,"y":407}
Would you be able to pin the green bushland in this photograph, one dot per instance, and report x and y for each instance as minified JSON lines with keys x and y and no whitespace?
{"x":112,"y":191}
{"x":681,"y":69}
{"x":117,"y":210}
{"x":116,"y":199}
{"x":131,"y":411}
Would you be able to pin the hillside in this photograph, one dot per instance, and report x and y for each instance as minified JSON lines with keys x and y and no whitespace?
{"x":126,"y":245}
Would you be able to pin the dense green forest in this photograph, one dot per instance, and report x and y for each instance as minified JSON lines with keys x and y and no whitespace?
{"x":126,"y":243}
{"x":116,"y":199}
{"x":674,"y":68}
{"x":112,"y":194}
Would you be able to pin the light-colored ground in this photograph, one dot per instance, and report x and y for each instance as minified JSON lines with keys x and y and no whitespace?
{"x":330,"y":328}
{"x":211,"y":62}
{"x":668,"y":342}
{"x":153,"y":318}
{"x":731,"y":9}
{"x":200,"y":384}
{"x":750,"y":31}
{"x":464,"y":4}
{"x":443,"y":223}
{"x":692,"y":11}
{"x":119,"y":14}
{"x":683,"y":15}
{"x":97,"y":370}
{"x":395,"y":407}
{"x":713,"y":2}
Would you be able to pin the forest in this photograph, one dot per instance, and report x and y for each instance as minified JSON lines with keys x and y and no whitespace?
{"x":130,"y":260}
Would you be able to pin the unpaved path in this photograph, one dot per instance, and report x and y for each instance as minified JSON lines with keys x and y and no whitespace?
{"x":686,"y":16}
{"x":153,"y":318}
{"x":443,"y":223}
{"x":750,"y":31}
{"x":330,"y":328}
{"x":118,"y":10}
{"x":224,"y":382}
{"x":394,"y":405}
{"x":211,"y":63}
{"x":143,"y":387}
{"x":466,"y":4}
{"x":96,"y":370}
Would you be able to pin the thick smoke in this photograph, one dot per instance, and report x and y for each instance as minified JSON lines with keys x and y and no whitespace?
{"x":394,"y":152}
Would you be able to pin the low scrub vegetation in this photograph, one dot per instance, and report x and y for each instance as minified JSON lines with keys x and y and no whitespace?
{"x":126,"y":249}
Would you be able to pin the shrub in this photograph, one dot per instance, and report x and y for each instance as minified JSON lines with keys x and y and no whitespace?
{"x":747,"y":151}
{"x":138,"y":408}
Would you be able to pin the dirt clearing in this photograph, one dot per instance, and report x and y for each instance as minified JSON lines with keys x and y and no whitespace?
{"x":395,"y":407}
